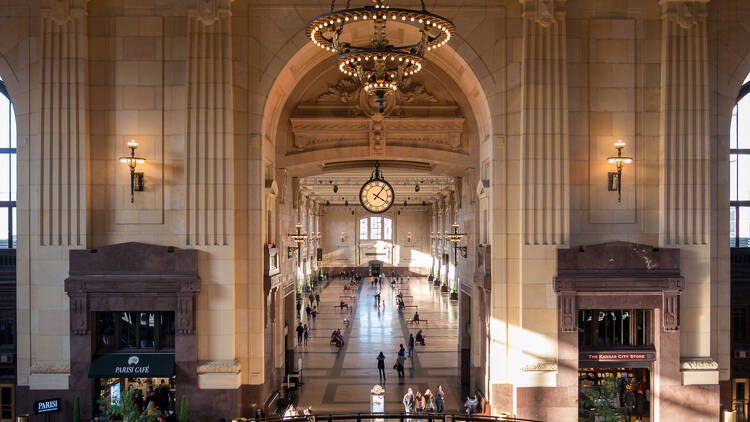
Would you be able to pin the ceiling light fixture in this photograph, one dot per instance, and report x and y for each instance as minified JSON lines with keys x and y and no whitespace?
{"x":379,"y":65}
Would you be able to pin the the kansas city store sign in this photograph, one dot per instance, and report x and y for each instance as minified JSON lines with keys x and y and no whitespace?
{"x":617,"y":356}
{"x":133,"y":367}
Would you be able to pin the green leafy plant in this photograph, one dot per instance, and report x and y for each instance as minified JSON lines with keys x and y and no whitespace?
{"x":595,"y":401}
{"x":183,"y":409}
{"x":77,"y":410}
{"x":126,"y":410}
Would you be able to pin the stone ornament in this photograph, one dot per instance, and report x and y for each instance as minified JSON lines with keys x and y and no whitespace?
{"x":698,"y":364}
{"x":209,"y":12}
{"x":218,"y":367}
{"x":539,"y":365}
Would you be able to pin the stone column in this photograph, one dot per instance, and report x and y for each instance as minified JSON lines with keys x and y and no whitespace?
{"x":59,"y":194}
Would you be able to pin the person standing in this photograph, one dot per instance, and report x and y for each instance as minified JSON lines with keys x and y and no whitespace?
{"x":440,"y":399}
{"x":308,"y":309}
{"x":381,"y":366}
{"x":628,"y":401}
{"x":299,"y":308}
{"x":641,"y":405}
{"x":314,"y":313}
{"x":401,"y":350}
{"x":306,"y":334}
{"x":419,"y":402}
{"x":411,"y":345}
{"x":400,"y":365}
{"x":408,"y":402}
{"x":429,"y":399}
{"x":300,"y":331}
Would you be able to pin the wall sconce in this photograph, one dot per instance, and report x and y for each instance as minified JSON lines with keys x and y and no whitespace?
{"x":614,"y":179}
{"x":408,"y":237}
{"x":456,"y":237}
{"x":136,"y":179}
{"x":343,"y":237}
{"x":299,"y":238}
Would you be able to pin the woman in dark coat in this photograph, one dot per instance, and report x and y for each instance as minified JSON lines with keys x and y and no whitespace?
{"x":381,"y":366}
{"x":641,"y":405}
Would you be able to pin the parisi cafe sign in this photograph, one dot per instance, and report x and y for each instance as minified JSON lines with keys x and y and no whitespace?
{"x":132,"y":365}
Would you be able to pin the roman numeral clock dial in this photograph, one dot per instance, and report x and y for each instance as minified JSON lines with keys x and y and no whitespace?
{"x":376,"y":195}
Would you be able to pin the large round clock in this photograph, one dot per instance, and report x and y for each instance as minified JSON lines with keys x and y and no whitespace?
{"x":376,"y":195}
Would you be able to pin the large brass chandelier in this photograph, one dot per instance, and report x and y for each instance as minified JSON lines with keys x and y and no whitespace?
{"x":375,"y":61}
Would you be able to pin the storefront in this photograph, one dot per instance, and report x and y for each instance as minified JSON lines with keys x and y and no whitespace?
{"x":619,"y":304}
{"x":132,"y":319}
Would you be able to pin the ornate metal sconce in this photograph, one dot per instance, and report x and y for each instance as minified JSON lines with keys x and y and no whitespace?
{"x":299,"y":238}
{"x":615,"y":178}
{"x":136,"y":179}
{"x":456,"y":237}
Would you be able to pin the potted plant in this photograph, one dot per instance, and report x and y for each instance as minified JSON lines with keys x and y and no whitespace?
{"x":430,"y":277}
{"x":444,"y":286}
{"x":125,"y":409}
{"x":597,"y":402}
{"x":454,"y":294}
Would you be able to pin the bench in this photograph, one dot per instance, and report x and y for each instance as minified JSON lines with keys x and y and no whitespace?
{"x":411,"y":321}
{"x":410,"y":306}
{"x":352,"y":297}
{"x":347,"y":307}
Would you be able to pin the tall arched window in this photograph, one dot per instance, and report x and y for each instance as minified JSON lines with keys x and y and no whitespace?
{"x":375,"y":228}
{"x":739,"y":170}
{"x":8,"y":171}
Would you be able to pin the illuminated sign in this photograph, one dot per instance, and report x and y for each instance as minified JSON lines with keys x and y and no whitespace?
{"x":618,"y":356}
{"x":47,"y":406}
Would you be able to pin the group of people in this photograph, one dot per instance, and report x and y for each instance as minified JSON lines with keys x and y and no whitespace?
{"x":424,"y":403}
{"x":303,"y":334}
{"x":337,"y":338}
{"x":292,"y":412}
{"x":633,"y":399}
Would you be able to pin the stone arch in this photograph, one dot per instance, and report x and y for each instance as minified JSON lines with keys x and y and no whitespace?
{"x":309,"y":56}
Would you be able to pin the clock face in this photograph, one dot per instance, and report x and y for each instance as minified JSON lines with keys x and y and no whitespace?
{"x":376,"y":196}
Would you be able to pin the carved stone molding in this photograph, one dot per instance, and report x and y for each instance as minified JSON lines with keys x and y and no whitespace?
{"x":218,"y":367}
{"x":566,"y":305}
{"x":541,"y":12}
{"x":698,"y":364}
{"x":50,"y":367}
{"x":539,"y":365}
{"x":209,"y":12}
{"x":685,"y":13}
{"x":63,"y":11}
{"x":671,"y":310}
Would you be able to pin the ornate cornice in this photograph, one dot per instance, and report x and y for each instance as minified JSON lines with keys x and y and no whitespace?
{"x":540,"y":365}
{"x":46,"y":367}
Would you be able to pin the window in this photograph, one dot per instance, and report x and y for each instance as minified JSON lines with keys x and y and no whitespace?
{"x":739,"y":170}
{"x":8,"y":170}
{"x":134,"y":330}
{"x":375,"y":228}
{"x":363,"y":229}
{"x":7,"y":328}
{"x":601,"y":328}
{"x":387,"y":229}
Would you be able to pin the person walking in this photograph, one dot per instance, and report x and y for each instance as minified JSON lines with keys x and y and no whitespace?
{"x":411,"y":345}
{"x":401,"y":350}
{"x":408,"y":402}
{"x":317,"y":298}
{"x":381,"y":367}
{"x":641,"y":404}
{"x":299,"y":308}
{"x":628,"y":401}
{"x":306,"y":334}
{"x":308,"y":309}
{"x":440,"y":399}
{"x":300,"y":332}
{"x":314,"y":313}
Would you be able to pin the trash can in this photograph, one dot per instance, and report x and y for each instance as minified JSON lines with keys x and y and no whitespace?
{"x":22,"y":418}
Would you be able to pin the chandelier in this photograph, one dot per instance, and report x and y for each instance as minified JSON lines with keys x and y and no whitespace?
{"x":376,"y":62}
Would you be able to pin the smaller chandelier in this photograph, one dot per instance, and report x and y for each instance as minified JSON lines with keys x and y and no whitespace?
{"x":378,"y":64}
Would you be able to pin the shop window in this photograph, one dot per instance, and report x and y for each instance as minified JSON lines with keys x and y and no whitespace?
{"x":134,"y":330}
{"x":8,"y":182}
{"x":615,"y":328}
{"x":739,"y":170}
{"x":7,"y":328}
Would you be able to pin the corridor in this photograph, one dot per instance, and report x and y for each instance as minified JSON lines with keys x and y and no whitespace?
{"x":340,"y":381}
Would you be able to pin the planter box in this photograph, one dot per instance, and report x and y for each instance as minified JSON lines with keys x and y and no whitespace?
{"x":444,"y":288}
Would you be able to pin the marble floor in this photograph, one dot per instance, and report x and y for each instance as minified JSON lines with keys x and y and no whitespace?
{"x":340,"y":380}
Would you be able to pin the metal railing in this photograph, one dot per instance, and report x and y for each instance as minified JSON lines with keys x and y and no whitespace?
{"x":392,"y":417}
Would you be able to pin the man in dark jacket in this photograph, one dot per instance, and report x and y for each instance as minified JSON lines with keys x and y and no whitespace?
{"x":300,"y":331}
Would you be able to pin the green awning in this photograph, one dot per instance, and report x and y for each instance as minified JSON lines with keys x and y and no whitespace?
{"x":132,"y":365}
